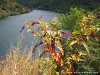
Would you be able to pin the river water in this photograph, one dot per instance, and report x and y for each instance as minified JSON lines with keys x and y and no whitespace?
{"x":10,"y":28}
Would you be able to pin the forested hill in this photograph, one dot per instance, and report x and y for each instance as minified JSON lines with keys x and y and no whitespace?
{"x":62,"y":5}
{"x":11,"y":7}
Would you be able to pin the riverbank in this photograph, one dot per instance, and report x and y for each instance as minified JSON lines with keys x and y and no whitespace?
{"x":8,"y":8}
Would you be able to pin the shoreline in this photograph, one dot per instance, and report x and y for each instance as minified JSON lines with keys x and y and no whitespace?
{"x":6,"y":14}
{"x":8,"y":8}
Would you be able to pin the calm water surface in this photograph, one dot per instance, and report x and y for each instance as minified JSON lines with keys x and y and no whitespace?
{"x":10,"y":28}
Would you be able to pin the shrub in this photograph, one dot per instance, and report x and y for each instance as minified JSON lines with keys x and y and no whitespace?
{"x":65,"y":53}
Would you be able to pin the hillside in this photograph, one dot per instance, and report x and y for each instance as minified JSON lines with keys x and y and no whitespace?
{"x":11,"y":7}
{"x":62,"y":5}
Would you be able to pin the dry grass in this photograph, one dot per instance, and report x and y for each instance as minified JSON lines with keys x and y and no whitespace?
{"x":19,"y":62}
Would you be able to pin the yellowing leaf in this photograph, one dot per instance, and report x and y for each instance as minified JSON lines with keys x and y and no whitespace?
{"x":57,"y":42}
{"x":81,"y":53}
{"x":54,"y":19}
{"x":48,"y":39}
{"x":84,"y":19}
{"x":51,"y":32}
{"x":37,"y":35}
{"x":85,"y":45}
{"x":76,"y":58}
{"x":73,"y":42}
{"x":52,"y":24}
{"x":57,"y":73}
{"x":29,"y":25}
{"x":60,"y":34}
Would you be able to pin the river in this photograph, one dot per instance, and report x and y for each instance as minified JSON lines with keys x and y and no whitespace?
{"x":10,"y":28}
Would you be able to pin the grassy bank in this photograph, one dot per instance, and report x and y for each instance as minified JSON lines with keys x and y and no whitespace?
{"x":11,"y":8}
{"x":19,"y":62}
{"x":16,"y":63}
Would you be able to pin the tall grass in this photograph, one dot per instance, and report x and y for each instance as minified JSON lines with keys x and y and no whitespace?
{"x":18,"y":61}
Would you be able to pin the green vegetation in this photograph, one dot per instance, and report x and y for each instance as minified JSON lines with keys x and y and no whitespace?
{"x":71,"y":21}
{"x":78,"y":52}
{"x":66,"y":55}
{"x":63,"y":5}
{"x":11,"y":7}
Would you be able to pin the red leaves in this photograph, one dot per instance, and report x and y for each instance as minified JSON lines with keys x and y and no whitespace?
{"x":58,"y":57}
{"x":53,"y":39}
{"x":48,"y":47}
{"x":35,"y":22}
{"x":53,"y":53}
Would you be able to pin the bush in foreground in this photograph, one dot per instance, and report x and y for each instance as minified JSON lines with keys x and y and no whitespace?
{"x":65,"y":53}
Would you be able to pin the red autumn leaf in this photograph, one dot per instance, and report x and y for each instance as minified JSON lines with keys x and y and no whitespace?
{"x":36,"y":21}
{"x":47,"y":47}
{"x":58,"y":57}
{"x":52,"y":52}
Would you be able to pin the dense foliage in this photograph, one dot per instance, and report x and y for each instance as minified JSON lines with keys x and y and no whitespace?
{"x":71,"y":21}
{"x":67,"y":54}
{"x":62,"y":5}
